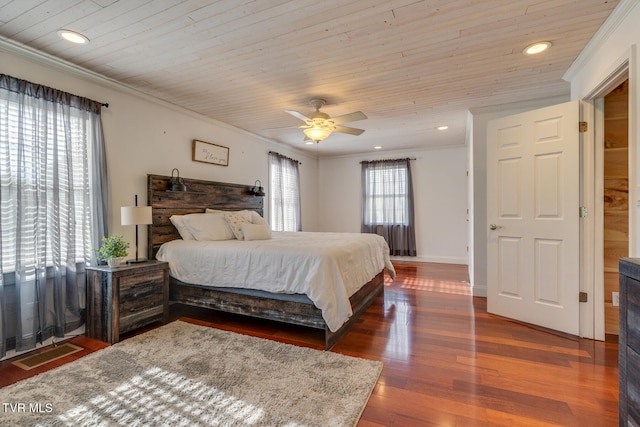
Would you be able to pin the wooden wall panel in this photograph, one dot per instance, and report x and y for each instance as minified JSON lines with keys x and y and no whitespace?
{"x":616,"y":196}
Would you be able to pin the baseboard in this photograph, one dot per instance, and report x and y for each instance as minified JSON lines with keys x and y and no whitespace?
{"x":479,"y":291}
{"x":435,"y":259}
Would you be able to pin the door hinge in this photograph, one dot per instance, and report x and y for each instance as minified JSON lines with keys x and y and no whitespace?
{"x":584,"y":212}
{"x":583,"y":127}
{"x":583,"y":297}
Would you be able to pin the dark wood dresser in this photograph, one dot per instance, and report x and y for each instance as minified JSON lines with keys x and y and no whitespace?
{"x":121,"y":299}
{"x":629,"y":341}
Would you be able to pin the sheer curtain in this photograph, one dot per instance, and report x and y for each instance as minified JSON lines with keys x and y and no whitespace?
{"x":387,"y":204}
{"x":284,"y":193}
{"x":53,"y":209}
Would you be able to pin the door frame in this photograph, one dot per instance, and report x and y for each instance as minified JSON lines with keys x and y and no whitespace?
{"x":592,"y":315}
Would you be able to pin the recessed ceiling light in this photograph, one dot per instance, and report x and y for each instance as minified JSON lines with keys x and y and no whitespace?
{"x":443,"y":127}
{"x":309,"y":142}
{"x":73,"y":37}
{"x":538,"y":47}
{"x":378,"y":147}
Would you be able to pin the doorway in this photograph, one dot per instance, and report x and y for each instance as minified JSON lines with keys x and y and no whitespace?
{"x":615,"y":196}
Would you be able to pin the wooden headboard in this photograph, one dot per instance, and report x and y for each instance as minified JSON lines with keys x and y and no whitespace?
{"x":199,"y":196}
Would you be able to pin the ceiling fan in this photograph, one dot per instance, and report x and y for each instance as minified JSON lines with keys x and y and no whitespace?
{"x":320,"y":125}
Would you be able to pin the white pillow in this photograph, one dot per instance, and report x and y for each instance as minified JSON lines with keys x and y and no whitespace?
{"x":255,"y":216}
{"x":208,"y":226}
{"x":235,"y":220}
{"x":178,"y":223}
{"x":257,"y":219}
{"x":256,"y":231}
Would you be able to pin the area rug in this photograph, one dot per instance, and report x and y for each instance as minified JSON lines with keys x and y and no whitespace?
{"x":189,"y":375}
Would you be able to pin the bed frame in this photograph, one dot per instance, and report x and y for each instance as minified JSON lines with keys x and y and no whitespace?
{"x":201,"y":195}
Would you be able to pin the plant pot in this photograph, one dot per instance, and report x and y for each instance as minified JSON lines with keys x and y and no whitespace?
{"x":114,"y":262}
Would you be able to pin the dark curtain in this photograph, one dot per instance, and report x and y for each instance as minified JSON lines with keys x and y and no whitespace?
{"x":387,"y":204}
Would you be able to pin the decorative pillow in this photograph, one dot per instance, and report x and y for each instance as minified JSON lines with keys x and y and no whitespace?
{"x":178,"y":223}
{"x":208,"y":226}
{"x":256,"y":231}
{"x":255,"y":216}
{"x":257,"y":219}
{"x":235,"y":220}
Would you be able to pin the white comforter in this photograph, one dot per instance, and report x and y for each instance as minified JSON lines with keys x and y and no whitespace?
{"x":327,"y":267}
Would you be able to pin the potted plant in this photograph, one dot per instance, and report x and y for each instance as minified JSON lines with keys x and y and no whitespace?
{"x":113,"y":249}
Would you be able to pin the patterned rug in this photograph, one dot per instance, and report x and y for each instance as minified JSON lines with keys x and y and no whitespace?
{"x":188,"y":375}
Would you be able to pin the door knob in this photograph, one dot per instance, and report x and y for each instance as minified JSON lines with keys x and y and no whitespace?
{"x":494,"y":227}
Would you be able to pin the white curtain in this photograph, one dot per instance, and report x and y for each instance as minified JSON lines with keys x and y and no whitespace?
{"x":387,"y":204}
{"x":284,"y":193}
{"x":52,"y":209}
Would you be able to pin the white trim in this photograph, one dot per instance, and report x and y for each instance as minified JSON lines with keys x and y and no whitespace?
{"x":479,"y":291}
{"x":591,"y":167}
{"x":597,"y":248}
{"x":634,"y":146}
{"x":433,"y":259}
{"x":411,"y":152}
{"x":593,"y":326}
{"x":616,"y":74}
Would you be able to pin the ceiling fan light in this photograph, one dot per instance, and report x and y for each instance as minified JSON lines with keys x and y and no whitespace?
{"x":317,"y":133}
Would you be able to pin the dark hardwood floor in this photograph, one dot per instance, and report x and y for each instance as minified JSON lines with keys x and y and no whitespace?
{"x":446,"y":361}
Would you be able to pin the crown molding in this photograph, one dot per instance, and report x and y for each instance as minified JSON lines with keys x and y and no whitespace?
{"x":604,"y":32}
{"x":47,"y":60}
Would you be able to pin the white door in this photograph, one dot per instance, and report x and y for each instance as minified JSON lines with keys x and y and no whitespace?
{"x":533,"y":196}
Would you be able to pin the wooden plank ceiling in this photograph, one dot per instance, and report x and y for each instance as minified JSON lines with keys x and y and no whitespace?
{"x":410,"y":65}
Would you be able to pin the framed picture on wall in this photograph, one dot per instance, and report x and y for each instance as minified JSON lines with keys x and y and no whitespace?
{"x":207,"y":152}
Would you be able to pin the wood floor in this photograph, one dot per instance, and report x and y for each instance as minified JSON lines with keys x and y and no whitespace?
{"x":446,"y":361}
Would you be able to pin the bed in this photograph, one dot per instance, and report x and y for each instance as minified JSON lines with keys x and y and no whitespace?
{"x":258,"y":288}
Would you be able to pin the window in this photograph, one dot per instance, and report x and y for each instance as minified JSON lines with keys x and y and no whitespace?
{"x":45,"y":173}
{"x":284,"y":193}
{"x":52,"y":209}
{"x":387,"y":204}
{"x":388,"y":200}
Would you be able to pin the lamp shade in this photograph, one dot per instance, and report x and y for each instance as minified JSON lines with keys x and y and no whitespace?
{"x":317,"y":133}
{"x":135,"y":215}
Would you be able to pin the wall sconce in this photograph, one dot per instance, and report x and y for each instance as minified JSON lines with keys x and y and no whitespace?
{"x":257,"y":190}
{"x":176,"y":183}
{"x":135,"y":215}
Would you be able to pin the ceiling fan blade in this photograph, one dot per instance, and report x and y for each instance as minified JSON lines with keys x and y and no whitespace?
{"x":350,"y":131}
{"x":351,"y":117}
{"x":297,"y":114}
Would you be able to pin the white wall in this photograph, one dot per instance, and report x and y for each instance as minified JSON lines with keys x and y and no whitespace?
{"x":440,"y":192}
{"x":146,"y":136}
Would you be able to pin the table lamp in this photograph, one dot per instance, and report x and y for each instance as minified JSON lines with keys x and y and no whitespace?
{"x":136,"y":215}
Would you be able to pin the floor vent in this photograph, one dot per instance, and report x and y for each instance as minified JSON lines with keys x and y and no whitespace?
{"x":47,"y":356}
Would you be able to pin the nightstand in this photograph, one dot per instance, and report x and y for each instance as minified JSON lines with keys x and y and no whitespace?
{"x":120,"y":299}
